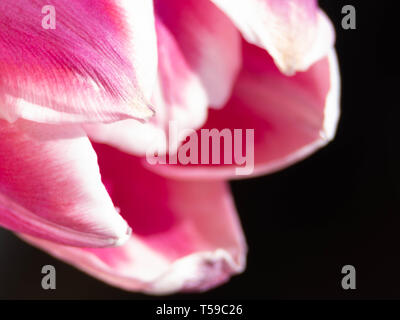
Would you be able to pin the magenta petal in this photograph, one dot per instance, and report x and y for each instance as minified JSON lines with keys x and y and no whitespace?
{"x":291,"y":116}
{"x":87,"y":69}
{"x":296,"y":33}
{"x":50,"y":186}
{"x":186,"y":235}
{"x":209,"y":46}
{"x":199,"y":58}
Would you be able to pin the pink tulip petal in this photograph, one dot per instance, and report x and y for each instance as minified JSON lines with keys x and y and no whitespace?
{"x":208,"y":42}
{"x":130,"y":136}
{"x":295,"y":32}
{"x":94,"y":66}
{"x":143,"y":40}
{"x":50,"y":186}
{"x":291,"y":116}
{"x":186,"y":235}
{"x":199,"y":58}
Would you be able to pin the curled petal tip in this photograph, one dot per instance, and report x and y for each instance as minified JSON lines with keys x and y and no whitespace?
{"x":296,"y":33}
{"x":199,"y":272}
{"x":177,"y":244}
{"x":50,"y":186}
{"x":332,"y":108}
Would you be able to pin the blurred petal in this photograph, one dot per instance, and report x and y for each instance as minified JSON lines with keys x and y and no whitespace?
{"x":208,"y":45}
{"x":50,"y":186}
{"x":179,"y":95}
{"x":186,"y":235}
{"x":294,"y":32}
{"x":89,"y":68}
{"x":199,"y":58}
{"x":291,"y":116}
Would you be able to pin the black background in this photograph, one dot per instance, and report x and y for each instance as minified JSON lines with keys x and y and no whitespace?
{"x":338,"y":207}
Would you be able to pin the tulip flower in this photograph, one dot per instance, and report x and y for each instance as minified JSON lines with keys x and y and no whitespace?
{"x":81,"y":103}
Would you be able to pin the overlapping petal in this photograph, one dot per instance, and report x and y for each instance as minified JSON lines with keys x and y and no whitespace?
{"x":98,"y":64}
{"x":209,"y":46}
{"x":296,"y":33}
{"x":50,"y":186}
{"x":130,"y":135}
{"x":186,"y":235}
{"x":291,"y":117}
{"x":199,"y":58}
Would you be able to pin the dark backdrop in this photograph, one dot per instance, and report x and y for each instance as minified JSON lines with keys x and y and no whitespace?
{"x":303,"y":224}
